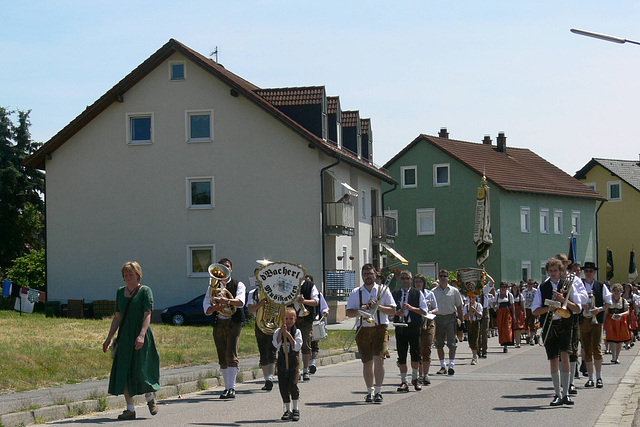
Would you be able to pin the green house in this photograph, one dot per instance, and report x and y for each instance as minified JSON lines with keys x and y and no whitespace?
{"x":535,"y":207}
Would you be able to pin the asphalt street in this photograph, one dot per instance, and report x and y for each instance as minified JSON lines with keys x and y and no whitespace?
{"x":503,"y":389}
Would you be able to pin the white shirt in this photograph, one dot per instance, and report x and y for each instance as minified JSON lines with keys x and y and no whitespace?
{"x":466,"y":309}
{"x":206,"y":303}
{"x":297,"y":338}
{"x":430,"y":299}
{"x":354,"y":302}
{"x":606,"y":293}
{"x":578,"y":294}
{"x":405,"y":298}
{"x":324,"y":307}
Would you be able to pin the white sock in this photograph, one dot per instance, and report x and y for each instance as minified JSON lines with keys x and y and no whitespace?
{"x":232,"y":372}
{"x":149,"y":398}
{"x":555,"y":378}
{"x":442,"y":363}
{"x":287,"y":406}
{"x":377,"y":389}
{"x":414,"y":374}
{"x":305,"y":370}
{"x":295,"y":405}
{"x":403,"y":377}
{"x":452,"y":363}
{"x":572,"y":370}
{"x":598,"y":375}
{"x":565,"y":378}
{"x":312,"y":362}
{"x":370,"y":390}
{"x":131,"y":408}
{"x":225,"y":378}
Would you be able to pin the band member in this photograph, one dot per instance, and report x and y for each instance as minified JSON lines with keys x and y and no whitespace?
{"x":428,"y":329}
{"x":591,"y":325}
{"x":306,"y":303}
{"x":449,"y":315}
{"x":518,"y":314}
{"x":486,"y":300}
{"x":226,"y":330}
{"x":264,"y":340}
{"x":411,"y":307}
{"x":504,"y":305}
{"x":372,"y":340}
{"x":323,"y":312}
{"x":290,"y":338}
{"x":575,"y":270}
{"x":472,"y":313}
{"x":617,"y":324}
{"x":529,"y":319}
{"x":556,"y":330}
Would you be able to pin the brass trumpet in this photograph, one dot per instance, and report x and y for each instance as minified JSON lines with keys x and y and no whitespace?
{"x":220,"y":273}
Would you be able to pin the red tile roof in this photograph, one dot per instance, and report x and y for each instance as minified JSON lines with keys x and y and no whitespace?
{"x":236,"y":83}
{"x":350,"y":118}
{"x":293,"y":95}
{"x":516,"y":169}
{"x":332,"y":104}
{"x":365,"y":125}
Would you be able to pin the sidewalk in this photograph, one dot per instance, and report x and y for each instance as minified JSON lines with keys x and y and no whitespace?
{"x":55,"y":403}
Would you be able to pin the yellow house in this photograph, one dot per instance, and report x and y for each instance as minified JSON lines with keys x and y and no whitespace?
{"x":618,"y":226}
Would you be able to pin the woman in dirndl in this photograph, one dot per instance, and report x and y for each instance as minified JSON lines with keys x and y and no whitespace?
{"x":616,"y":324}
{"x":504,"y":305}
{"x":136,"y":365}
{"x":518,"y":314}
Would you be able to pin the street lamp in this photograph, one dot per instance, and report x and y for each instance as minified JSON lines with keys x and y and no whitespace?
{"x":605,"y":37}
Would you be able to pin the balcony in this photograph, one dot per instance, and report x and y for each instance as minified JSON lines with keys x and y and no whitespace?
{"x":384,"y":229}
{"x":339,"y":219}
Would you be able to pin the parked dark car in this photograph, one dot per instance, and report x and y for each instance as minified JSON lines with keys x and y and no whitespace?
{"x":190,"y":313}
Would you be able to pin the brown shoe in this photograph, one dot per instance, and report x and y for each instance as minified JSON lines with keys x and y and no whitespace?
{"x":153,"y":407}
{"x":127,"y":415}
{"x":416,"y":385}
{"x":404,"y":387}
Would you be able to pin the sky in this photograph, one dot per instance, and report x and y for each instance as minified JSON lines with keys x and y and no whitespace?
{"x":413,"y":67}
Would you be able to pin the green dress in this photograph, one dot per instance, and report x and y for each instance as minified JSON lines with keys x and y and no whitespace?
{"x":139,"y":369}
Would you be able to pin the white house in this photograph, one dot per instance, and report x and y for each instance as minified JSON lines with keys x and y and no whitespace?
{"x":183,"y":162}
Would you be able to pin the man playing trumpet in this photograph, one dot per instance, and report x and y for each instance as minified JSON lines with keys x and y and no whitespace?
{"x":372,"y":339}
{"x":557,"y":330}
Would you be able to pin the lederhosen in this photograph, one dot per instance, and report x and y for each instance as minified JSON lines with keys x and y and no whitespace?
{"x":591,"y":333}
{"x":288,"y":378}
{"x":305,"y":323}
{"x":264,"y":341}
{"x":427,"y":333}
{"x":408,"y":337}
{"x":557,"y":332}
{"x":226,"y":332}
{"x":372,"y":340}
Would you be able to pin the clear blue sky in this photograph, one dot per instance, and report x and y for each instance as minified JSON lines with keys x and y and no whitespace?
{"x":475,"y":67}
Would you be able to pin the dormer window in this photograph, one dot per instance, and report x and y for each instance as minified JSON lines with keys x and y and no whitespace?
{"x":177,"y":70}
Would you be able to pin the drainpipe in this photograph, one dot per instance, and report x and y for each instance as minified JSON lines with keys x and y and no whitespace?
{"x":323,"y":220}
{"x":597,"y":245}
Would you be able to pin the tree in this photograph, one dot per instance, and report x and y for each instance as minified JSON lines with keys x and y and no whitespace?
{"x":21,"y":190}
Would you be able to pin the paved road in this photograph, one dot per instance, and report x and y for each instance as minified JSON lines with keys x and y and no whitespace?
{"x":505,"y":388}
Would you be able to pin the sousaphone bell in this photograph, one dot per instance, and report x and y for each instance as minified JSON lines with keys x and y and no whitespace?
{"x":220,"y":273}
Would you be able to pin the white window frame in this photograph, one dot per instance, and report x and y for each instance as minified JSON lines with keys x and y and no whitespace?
{"x":184,"y":70}
{"x":365,"y":256}
{"x":345,"y":258}
{"x":426,"y":268}
{"x":190,"y":249}
{"x":190,"y":180}
{"x":425,"y":213}
{"x":575,"y":222}
{"x":415,"y":174}
{"x":187,"y":116}
{"x":525,"y":219}
{"x":526,"y":265}
{"x":558,"y":226}
{"x":393,"y":213}
{"x":544,"y":220}
{"x":129,"y":120}
{"x":619,"y":184}
{"x":435,"y":175}
{"x":363,"y":204}
{"x":543,"y":271}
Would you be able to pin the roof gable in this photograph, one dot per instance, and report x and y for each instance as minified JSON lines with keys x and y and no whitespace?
{"x":516,"y":169}
{"x":627,"y":170}
{"x":237,"y":85}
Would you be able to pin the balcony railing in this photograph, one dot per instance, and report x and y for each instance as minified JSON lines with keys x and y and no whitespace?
{"x":340,"y":283}
{"x":339,"y":219}
{"x":384,"y":229}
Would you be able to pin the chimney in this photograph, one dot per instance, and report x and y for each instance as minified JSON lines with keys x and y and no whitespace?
{"x":502,"y":142}
{"x":443,"y":133}
{"x":486,"y":140}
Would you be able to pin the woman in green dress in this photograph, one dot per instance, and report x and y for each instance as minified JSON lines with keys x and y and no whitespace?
{"x":136,"y":365}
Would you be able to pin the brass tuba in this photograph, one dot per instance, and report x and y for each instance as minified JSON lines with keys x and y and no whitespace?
{"x":566,"y":288}
{"x":270,"y":317}
{"x":220,"y":273}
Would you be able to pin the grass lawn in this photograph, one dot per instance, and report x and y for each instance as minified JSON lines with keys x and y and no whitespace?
{"x":39,"y":351}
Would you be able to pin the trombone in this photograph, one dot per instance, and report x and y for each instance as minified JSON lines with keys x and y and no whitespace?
{"x":366,"y":316}
{"x":560,"y":309}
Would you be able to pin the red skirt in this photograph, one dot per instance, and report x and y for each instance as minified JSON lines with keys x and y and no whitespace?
{"x":617,"y":330}
{"x":633,"y":319}
{"x":505,"y":328}
{"x":519,"y":320}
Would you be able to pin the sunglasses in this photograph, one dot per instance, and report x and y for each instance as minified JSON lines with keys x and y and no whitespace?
{"x":443,"y":275}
